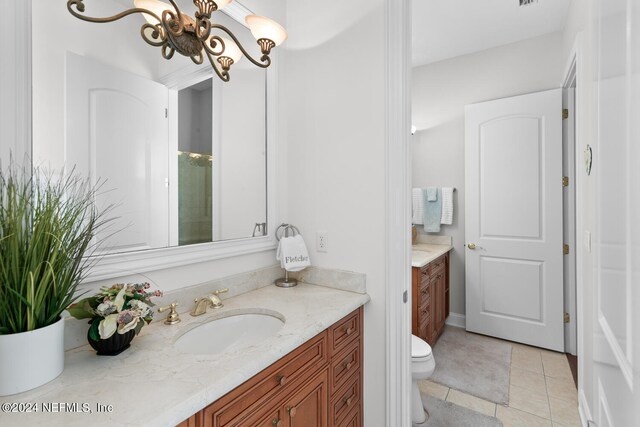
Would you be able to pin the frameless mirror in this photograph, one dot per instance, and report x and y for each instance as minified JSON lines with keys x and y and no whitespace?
{"x":180,"y":154}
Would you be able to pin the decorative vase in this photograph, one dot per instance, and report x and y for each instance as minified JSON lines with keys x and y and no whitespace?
{"x":114,"y":345}
{"x":31,"y":359}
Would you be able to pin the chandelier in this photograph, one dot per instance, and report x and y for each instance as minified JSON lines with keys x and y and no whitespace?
{"x":173,"y":31}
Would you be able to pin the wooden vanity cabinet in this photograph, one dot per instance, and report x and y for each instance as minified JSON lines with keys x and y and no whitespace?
{"x":430,"y":299}
{"x":319,"y":384}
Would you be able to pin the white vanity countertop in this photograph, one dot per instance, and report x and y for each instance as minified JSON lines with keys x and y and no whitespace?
{"x":152,"y":384}
{"x":423,"y":253}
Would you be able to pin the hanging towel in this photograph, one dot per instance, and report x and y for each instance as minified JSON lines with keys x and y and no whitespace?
{"x":432,"y":194}
{"x":447,"y":206}
{"x":418,"y":206}
{"x":292,"y":253}
{"x":432,"y":210}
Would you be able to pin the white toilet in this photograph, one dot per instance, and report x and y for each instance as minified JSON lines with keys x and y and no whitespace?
{"x":422,"y":366}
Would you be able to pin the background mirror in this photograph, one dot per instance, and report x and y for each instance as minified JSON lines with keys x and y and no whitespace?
{"x":182,"y":155}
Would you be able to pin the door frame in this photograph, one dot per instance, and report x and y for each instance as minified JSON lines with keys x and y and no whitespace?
{"x":569,"y":166}
{"x":575,"y":70}
{"x":398,"y":213}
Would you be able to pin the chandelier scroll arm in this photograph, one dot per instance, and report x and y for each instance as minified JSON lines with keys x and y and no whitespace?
{"x":80,"y":7}
{"x":266,"y":60}
{"x":206,"y":45}
{"x":178,"y":12}
{"x":224,"y":75}
{"x":158,"y":36}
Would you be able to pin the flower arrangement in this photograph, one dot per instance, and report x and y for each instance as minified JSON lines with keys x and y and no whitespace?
{"x":120,"y":308}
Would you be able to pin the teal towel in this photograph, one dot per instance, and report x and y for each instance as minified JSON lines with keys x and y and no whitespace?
{"x":432,"y":210}
{"x":432,"y":194}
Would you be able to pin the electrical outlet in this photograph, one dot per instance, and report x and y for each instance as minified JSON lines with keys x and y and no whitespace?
{"x":322,"y":241}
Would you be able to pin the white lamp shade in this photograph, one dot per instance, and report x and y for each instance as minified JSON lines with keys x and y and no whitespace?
{"x":154,"y":6}
{"x":222,"y":3}
{"x":231,"y":50}
{"x":265,"y":28}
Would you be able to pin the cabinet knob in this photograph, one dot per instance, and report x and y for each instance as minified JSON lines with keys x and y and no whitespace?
{"x":348,"y":366}
{"x":282,"y":380}
{"x":277,"y":422}
{"x":348,"y":331}
{"x":292,"y":411}
{"x":348,"y":400}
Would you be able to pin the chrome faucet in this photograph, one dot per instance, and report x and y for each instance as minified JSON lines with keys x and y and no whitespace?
{"x":212,"y":300}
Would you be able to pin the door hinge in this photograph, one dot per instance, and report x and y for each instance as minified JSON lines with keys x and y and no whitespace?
{"x":565,"y":114}
{"x":565,"y":181}
{"x":405,"y":297}
{"x":567,"y":318}
{"x":565,"y":249}
{"x":166,"y":113}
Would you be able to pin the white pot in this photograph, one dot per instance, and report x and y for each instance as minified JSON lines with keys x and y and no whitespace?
{"x":31,"y":359}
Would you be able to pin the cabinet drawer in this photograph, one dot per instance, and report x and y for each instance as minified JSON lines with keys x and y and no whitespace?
{"x":345,"y":331}
{"x":424,"y":294}
{"x":344,"y":365}
{"x":353,"y":420}
{"x":345,"y":400}
{"x":424,"y":313}
{"x":424,"y":273}
{"x":437,"y":265}
{"x":234,"y":407}
{"x":274,"y":417}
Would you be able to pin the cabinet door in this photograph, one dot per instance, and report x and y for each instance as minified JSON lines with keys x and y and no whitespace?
{"x":308,"y":406}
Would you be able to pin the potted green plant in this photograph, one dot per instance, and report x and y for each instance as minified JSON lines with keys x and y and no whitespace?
{"x":117,"y":315}
{"x":47,"y":226}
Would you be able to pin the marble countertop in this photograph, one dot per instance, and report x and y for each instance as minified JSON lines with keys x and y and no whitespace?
{"x":423,"y":253}
{"x":152,"y":384}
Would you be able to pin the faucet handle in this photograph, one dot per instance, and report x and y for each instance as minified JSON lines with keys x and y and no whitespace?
{"x":173,"y":316}
{"x":215,"y":301}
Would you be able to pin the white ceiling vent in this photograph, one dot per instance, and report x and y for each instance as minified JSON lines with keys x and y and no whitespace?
{"x":527,"y":2}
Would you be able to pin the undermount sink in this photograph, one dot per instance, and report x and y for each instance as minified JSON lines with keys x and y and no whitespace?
{"x":230,"y":333}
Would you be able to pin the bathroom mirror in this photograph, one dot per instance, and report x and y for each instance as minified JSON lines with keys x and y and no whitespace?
{"x":181,"y":156}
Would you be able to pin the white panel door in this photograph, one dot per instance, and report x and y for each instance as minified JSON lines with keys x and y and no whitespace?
{"x":514,"y":265}
{"x":117,"y":133}
{"x":616,"y":243}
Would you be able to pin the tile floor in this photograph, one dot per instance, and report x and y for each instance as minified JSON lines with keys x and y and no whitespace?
{"x":541,"y":392}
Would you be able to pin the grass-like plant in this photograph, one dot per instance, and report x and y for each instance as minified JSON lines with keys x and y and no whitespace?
{"x":47,"y":226}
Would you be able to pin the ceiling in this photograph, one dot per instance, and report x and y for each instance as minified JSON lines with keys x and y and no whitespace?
{"x":445,"y":29}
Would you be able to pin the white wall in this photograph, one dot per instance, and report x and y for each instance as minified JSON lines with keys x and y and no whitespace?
{"x":334,"y":116}
{"x":440,"y":92}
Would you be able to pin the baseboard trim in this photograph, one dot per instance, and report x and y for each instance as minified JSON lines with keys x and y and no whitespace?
{"x":583,"y":408}
{"x":456,"y":319}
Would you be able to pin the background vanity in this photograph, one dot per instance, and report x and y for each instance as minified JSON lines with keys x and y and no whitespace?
{"x":430,"y":264}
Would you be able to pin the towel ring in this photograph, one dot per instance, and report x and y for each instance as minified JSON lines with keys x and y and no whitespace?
{"x":284,"y":230}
